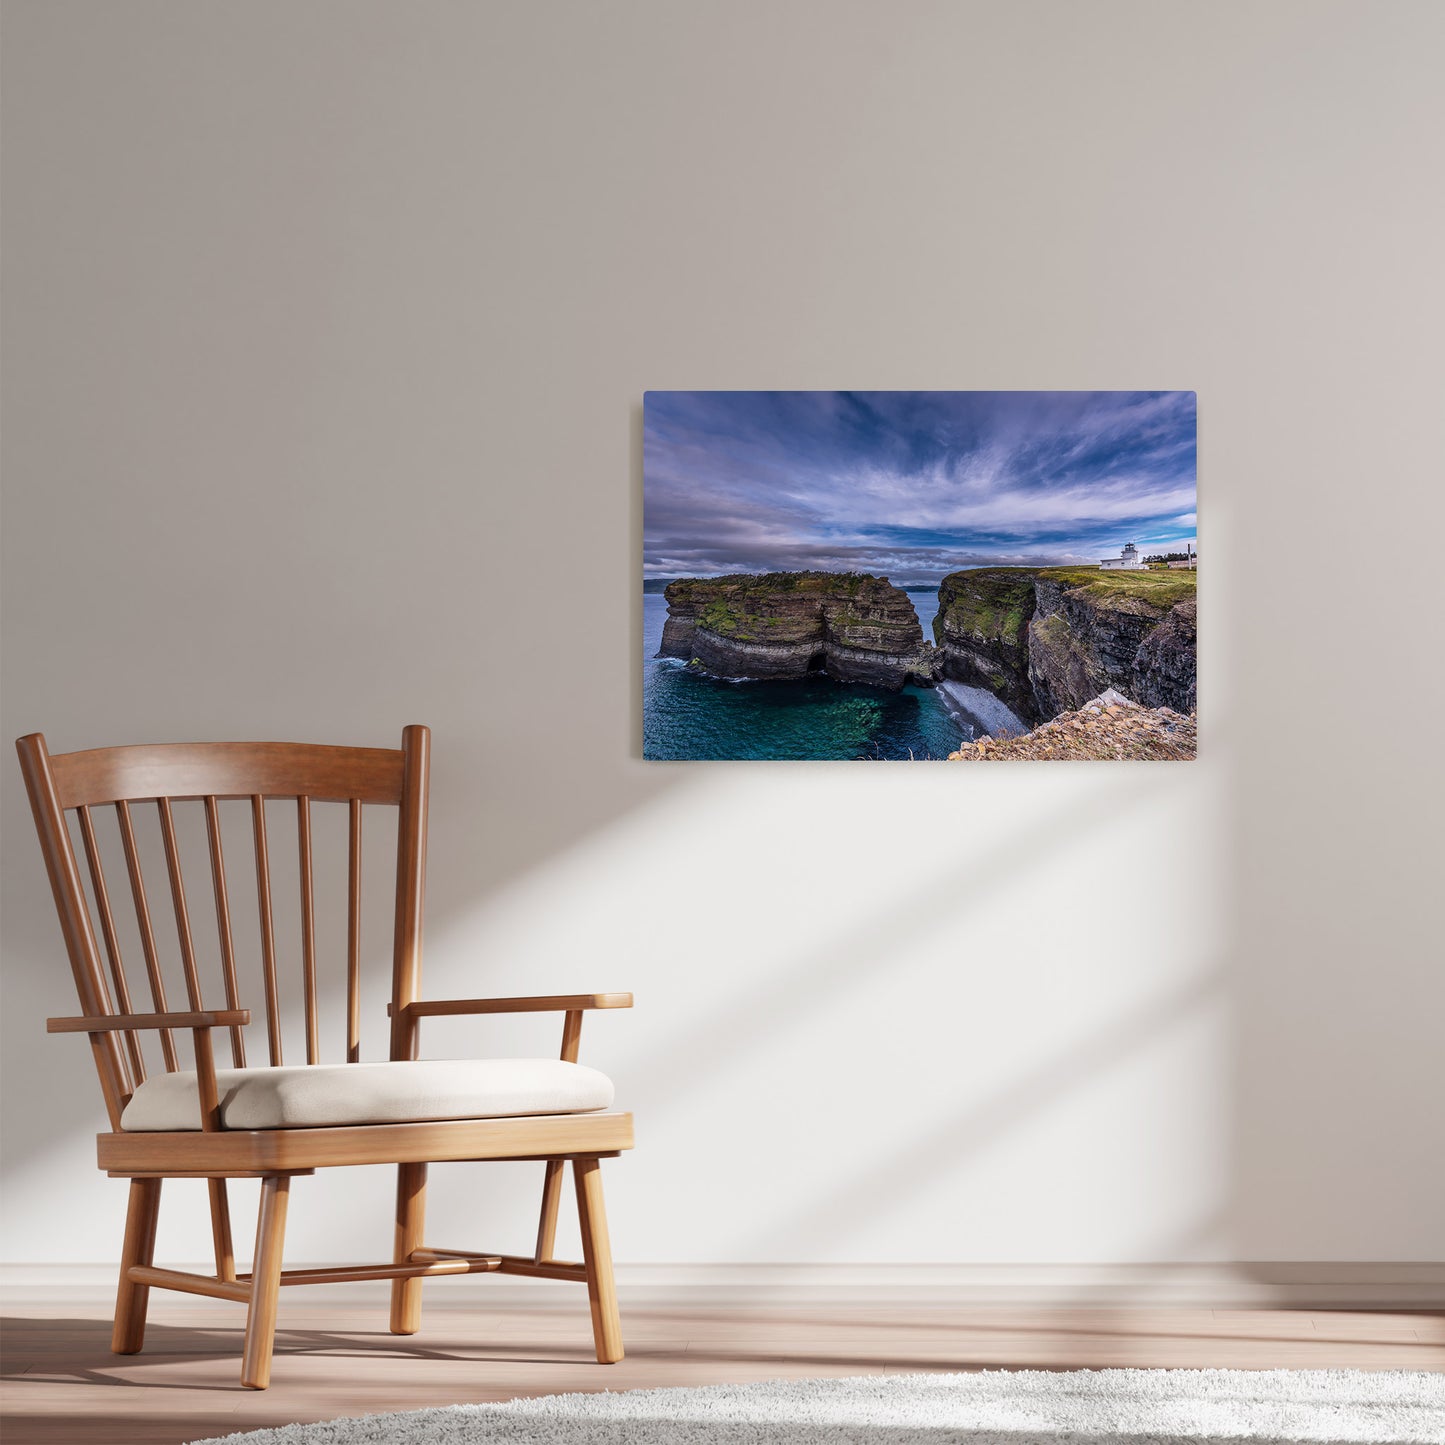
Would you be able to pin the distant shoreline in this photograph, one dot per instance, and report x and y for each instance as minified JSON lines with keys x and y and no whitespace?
{"x":652,"y":586}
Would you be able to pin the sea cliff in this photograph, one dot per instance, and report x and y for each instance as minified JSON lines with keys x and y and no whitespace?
{"x":848,"y":626}
{"x":982,"y":630}
{"x":1047,"y":640}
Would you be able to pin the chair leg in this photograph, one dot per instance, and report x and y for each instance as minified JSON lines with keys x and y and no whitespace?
{"x":221,"y":1229}
{"x":265,"y":1282}
{"x":410,"y":1222}
{"x":597,"y":1255}
{"x":142,"y":1211}
{"x":551,"y":1204}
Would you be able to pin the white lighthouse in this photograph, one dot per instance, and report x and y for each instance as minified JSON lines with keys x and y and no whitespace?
{"x":1128,"y":560}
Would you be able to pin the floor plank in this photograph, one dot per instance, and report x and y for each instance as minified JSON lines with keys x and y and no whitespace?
{"x":64,"y":1385}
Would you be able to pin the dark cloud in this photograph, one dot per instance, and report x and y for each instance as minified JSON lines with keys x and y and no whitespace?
{"x":912,"y":484}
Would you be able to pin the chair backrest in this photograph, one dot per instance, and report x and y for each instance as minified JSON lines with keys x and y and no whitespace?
{"x":164,"y":775}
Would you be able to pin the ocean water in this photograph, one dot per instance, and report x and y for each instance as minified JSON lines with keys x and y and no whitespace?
{"x":685,"y":715}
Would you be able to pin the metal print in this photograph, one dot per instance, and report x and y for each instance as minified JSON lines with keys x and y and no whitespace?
{"x":919,"y":575}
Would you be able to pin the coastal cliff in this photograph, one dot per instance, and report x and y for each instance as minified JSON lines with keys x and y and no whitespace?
{"x":848,"y":626}
{"x":982,"y":630}
{"x":1046,"y":640}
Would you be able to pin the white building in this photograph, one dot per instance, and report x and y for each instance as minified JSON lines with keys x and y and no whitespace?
{"x":1128,"y":560}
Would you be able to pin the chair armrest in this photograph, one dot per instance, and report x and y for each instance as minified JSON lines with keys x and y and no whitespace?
{"x":571,"y":1004}
{"x":548,"y":1003}
{"x":200,"y":1023}
{"x":113,"y":1023}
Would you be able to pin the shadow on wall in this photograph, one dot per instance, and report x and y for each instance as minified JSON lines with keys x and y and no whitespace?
{"x":869,"y":1190}
{"x":841,"y":961}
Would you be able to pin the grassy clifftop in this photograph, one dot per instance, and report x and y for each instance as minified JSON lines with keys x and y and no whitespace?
{"x":793,"y":606}
{"x":769,"y":585}
{"x":1158,"y":589}
{"x":991,"y":603}
{"x":995,"y":603}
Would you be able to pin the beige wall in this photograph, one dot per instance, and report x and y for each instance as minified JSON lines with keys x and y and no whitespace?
{"x":327,"y":327}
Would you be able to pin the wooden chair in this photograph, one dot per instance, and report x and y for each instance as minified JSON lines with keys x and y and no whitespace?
{"x":277,"y":1150}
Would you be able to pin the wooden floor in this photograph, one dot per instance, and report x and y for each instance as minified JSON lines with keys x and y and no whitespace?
{"x":63,"y":1384}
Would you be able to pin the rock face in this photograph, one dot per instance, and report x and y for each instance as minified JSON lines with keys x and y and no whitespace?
{"x":844,"y":625}
{"x":982,"y":630}
{"x":1047,"y":640}
{"x":1164,"y":667}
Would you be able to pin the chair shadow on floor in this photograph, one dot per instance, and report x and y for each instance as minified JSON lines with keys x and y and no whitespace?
{"x":27,"y":1347}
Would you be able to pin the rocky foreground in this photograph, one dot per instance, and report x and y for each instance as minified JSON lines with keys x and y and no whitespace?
{"x":1109,"y":727}
{"x":845,"y":625}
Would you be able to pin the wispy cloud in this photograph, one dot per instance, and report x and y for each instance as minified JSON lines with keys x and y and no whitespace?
{"x":912,"y":484}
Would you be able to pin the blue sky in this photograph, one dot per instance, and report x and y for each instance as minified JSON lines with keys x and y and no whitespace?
{"x":912,"y":484}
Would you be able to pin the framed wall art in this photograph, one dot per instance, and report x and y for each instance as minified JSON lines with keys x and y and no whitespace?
{"x":919,"y":575}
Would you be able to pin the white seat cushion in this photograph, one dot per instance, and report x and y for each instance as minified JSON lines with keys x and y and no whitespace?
{"x":313,"y":1095}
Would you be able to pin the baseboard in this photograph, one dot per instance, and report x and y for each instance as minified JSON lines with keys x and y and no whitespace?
{"x":1280,"y":1285}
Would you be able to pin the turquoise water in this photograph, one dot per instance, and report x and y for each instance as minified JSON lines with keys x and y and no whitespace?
{"x":685,"y":715}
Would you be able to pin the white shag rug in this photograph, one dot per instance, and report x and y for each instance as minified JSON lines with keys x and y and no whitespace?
{"x":994,"y":1407}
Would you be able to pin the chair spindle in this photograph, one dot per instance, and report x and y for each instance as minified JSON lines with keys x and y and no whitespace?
{"x":353,"y":937}
{"x":147,"y":933}
{"x":308,"y":930}
{"x":178,"y":903}
{"x":136,"y":1060}
{"x":268,"y":932}
{"x":223,"y":926}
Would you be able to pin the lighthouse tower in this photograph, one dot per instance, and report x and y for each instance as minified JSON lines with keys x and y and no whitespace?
{"x":1128,"y":560}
